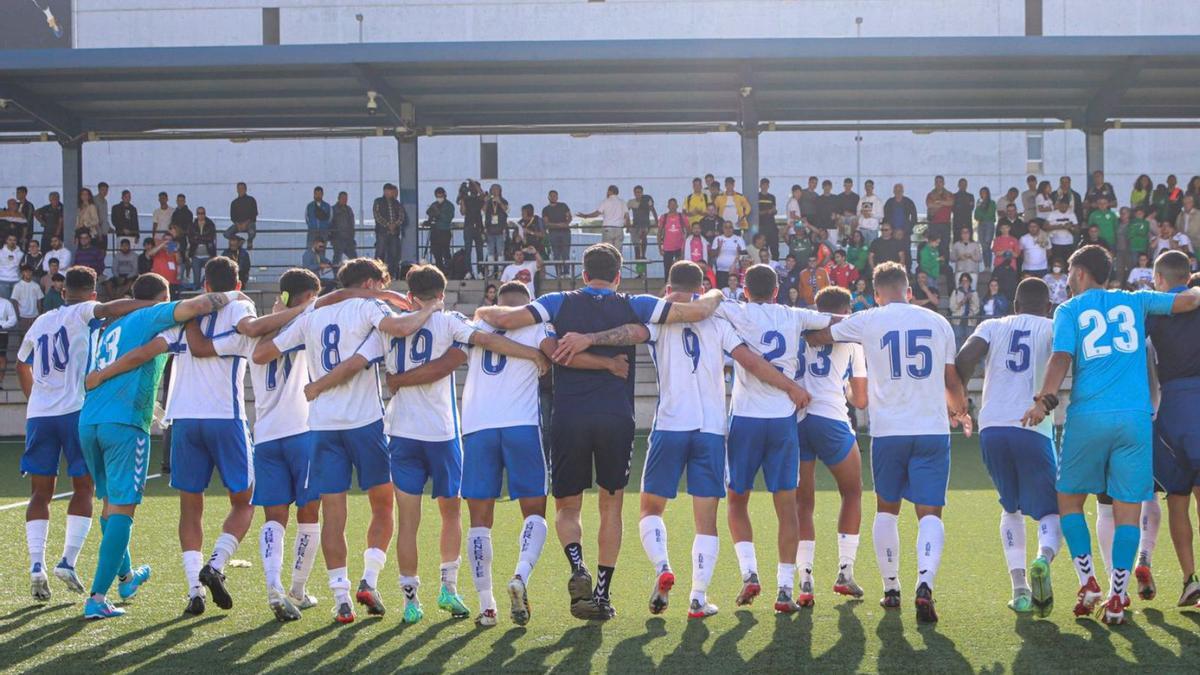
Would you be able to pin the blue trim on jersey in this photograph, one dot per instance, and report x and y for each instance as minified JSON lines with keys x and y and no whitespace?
{"x":233,"y":383}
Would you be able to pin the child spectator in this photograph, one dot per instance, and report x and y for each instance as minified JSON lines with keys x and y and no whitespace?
{"x":54,"y":293}
{"x":33,"y":259}
{"x":861,"y":297}
{"x":237,"y":252}
{"x":27,"y":295}
{"x":1141,"y":277}
{"x":124,"y":269}
{"x":48,"y":277}
{"x":841,"y":272}
{"x":1056,"y":281}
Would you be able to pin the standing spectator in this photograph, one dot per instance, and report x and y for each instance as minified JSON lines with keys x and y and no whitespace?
{"x":966,"y":256}
{"x":808,"y":201}
{"x":1174,"y":199}
{"x":842,"y":273}
{"x":557,"y":217}
{"x":1124,"y":259}
{"x":824,"y":208}
{"x":1011,"y":197}
{"x":724,"y":251}
{"x":1062,"y":225}
{"x":1029,"y":198}
{"x":8,"y":321}
{"x":695,"y":205}
{"x":530,"y":230}
{"x":1035,"y":246}
{"x":180,"y":237}
{"x":1097,"y":190}
{"x":900,"y":212}
{"x":315,"y":261}
{"x":767,"y":210}
{"x":390,"y":222}
{"x":53,"y":298}
{"x":614,"y":218}
{"x":27,"y":296}
{"x":994,"y":303}
{"x":985,"y":221}
{"x":1056,"y":281}
{"x":161,"y":218}
{"x":889,"y":247}
{"x":795,"y":218}
{"x":51,"y":218}
{"x":103,"y":224}
{"x":711,"y":224}
{"x":11,"y":221}
{"x":1158,"y":204}
{"x":237,"y":253}
{"x":89,"y":253}
{"x":1141,"y":277}
{"x":56,"y":252}
{"x":846,"y":223}
{"x":202,"y":245}
{"x":27,"y":211}
{"x":145,"y":261}
{"x":857,"y":253}
{"x":33,"y":259}
{"x":318,"y":215}
{"x":929,"y":258}
{"x":1044,"y":201}
{"x":1143,"y":188}
{"x":812,"y":280}
{"x":925,"y":292}
{"x":165,"y":261}
{"x":939,"y":211}
{"x":1016,"y":226}
{"x":1188,"y":221}
{"x":641,"y":214}
{"x":672,"y":228}
{"x":868,"y":223}
{"x":440,"y":216}
{"x":1138,"y":232}
{"x":495,"y":225}
{"x":182,"y":217}
{"x":10,"y":265}
{"x":1074,"y":201}
{"x":848,"y":199}
{"x":964,"y":306}
{"x":869,"y":197}
{"x":525,"y":267}
{"x":341,"y":230}
{"x":695,"y":247}
{"x":243,"y":212}
{"x":124,"y":269}
{"x":125,"y":218}
{"x":733,"y":206}
{"x":821,"y":250}
{"x":964,"y":207}
{"x":789,"y":277}
{"x":88,"y":217}
{"x":1104,"y":220}
{"x":470,"y":204}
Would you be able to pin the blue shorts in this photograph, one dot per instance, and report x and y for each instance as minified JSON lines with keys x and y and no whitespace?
{"x":415,"y":462}
{"x":117,"y":456}
{"x":48,"y":438}
{"x":671,"y":452}
{"x":769,"y":444}
{"x":488,"y":454}
{"x":335,"y":453}
{"x":825,"y":439}
{"x":1177,"y":439}
{"x":915,"y":468}
{"x":281,"y":471}
{"x":199,"y":446}
{"x":1108,"y":452}
{"x":1021,"y":463}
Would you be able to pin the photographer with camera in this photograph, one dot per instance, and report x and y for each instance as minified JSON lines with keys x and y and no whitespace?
{"x":470,"y":205}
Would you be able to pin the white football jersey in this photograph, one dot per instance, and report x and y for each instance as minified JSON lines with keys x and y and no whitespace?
{"x":211,"y":387}
{"x":689,"y":359}
{"x":328,"y":335}
{"x":280,"y":409}
{"x":502,"y":392}
{"x":907,"y":349}
{"x":426,"y":412}
{"x":825,"y":372}
{"x":775,"y":332}
{"x":58,"y":346}
{"x":1019,"y":348}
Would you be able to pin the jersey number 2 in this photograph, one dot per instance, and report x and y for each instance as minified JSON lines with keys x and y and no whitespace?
{"x":1093,"y":322}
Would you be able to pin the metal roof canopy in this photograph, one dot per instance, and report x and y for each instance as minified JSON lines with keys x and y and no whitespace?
{"x":597,"y":86}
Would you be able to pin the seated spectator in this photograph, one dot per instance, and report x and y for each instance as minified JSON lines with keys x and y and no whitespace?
{"x":929,"y":258}
{"x":318,"y":263}
{"x":10,"y":265}
{"x":964,"y":306}
{"x":733,"y":289}
{"x":166,"y":261}
{"x":1167,"y":240}
{"x":237,"y":252}
{"x":966,"y":256}
{"x":8,"y":321}
{"x":764,"y":258}
{"x":793,"y":298}
{"x":33,"y":259}
{"x":856,"y":252}
{"x":1056,"y":281}
{"x":54,"y":292}
{"x":89,"y":253}
{"x":812,"y":279}
{"x":994,"y":303}
{"x":489,"y":295}
{"x":790,"y":276}
{"x":758,"y":241}
{"x":27,"y":295}
{"x":822,"y":252}
{"x":1091,"y":237}
{"x":861,"y":297}
{"x":145,"y":258}
{"x":56,"y":252}
{"x":1141,"y":277}
{"x":124,"y":268}
{"x":47,"y":278}
{"x":925,"y":291}
{"x":695,"y":247}
{"x":525,"y":267}
{"x":842,"y":273}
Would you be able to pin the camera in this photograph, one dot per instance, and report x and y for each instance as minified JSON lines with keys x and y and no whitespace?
{"x":372,"y":104}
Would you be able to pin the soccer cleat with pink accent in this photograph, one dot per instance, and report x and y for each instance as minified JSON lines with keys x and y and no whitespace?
{"x":1087,"y":598}
{"x":660,"y":594}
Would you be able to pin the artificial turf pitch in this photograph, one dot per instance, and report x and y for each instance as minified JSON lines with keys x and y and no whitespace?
{"x":976,"y":633}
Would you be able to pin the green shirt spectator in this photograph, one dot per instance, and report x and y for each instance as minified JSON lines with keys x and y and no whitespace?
{"x":930,"y":259}
{"x":858,"y":257}
{"x":1106,"y":220}
{"x":1138,"y":234}
{"x":985,"y":212}
{"x":802,"y":248}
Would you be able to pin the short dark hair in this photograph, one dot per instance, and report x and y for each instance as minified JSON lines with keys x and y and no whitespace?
{"x":80,"y":278}
{"x":358,"y":271}
{"x":833,"y":299}
{"x":602,"y":262}
{"x":221,"y":274}
{"x":57,"y":277}
{"x":1173,"y":267}
{"x":1095,"y":260}
{"x":389,"y":186}
{"x":425,"y":281}
{"x":686,"y":276}
{"x":1194,"y":281}
{"x":148,"y":241}
{"x":761,"y":282}
{"x":1033,"y":295}
{"x":513,"y":286}
{"x":296,"y":282}
{"x":149,"y":286}
{"x":890,"y":274}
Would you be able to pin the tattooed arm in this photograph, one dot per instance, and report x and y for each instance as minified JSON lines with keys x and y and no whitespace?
{"x":186,"y":310}
{"x":573,"y":344}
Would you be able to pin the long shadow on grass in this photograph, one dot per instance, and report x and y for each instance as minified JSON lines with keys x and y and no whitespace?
{"x":629,"y":656}
{"x":897,"y":655}
{"x":221,"y":652}
{"x":580,"y":643}
{"x":724,"y":654}
{"x":503,"y":649}
{"x":1044,"y":647}
{"x":1149,"y":653}
{"x":33,"y":642}
{"x":127,"y":650}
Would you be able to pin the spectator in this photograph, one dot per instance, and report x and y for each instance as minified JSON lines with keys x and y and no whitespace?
{"x":1099,"y":189}
{"x":887,"y":248}
{"x":929,"y":258}
{"x":695,"y":205}
{"x":1044,"y":201}
{"x":1143,"y":188}
{"x":489,"y":295}
{"x":470,"y":201}
{"x":868,"y":223}
{"x":985,"y":221}
{"x":318,"y":263}
{"x":51,"y":218}
{"x":161,"y":218}
{"x":1013,"y":197}
{"x":33,"y":259}
{"x":1074,"y":201}
{"x":341,"y":230}
{"x":824,"y":207}
{"x":103,"y":224}
{"x":1016,"y":226}
{"x":89,"y":253}
{"x":1056,"y":281}
{"x":964,"y":307}
{"x":318,"y":216}
{"x":390,"y":223}
{"x":237,"y":253}
{"x":202,"y":245}
{"x":529,"y":231}
{"x":939,"y":210}
{"x":734,"y":207}
{"x":695,"y":247}
{"x":795,"y":218}
{"x":440,"y":218}
{"x":767,"y":211}
{"x":793,"y":298}
{"x":125,"y":218}
{"x":1158,"y":203}
{"x":1138,"y":232}
{"x":11,"y":221}
{"x":900,"y":212}
{"x":963,"y":209}
{"x":733,"y":289}
{"x":243,"y":212}
{"x":525,"y":267}
{"x":845,"y":223}
{"x":614,"y":218}
{"x":28,"y":212}
{"x":27,"y":296}
{"x":166,"y":261}
{"x":789,"y":277}
{"x":757,"y":242}
{"x":1034,"y":248}
{"x":1029,"y":209}
{"x":1006,"y":249}
{"x":808,"y":201}
{"x":860,"y":297}
{"x":711,"y":224}
{"x":710,"y":279}
{"x":672,"y":229}
{"x":1188,"y":221}
{"x":10,"y":265}
{"x":994,"y":303}
{"x":1173,"y":199}
{"x":1141,"y":277}
{"x":869,"y":197}
{"x":641,"y":214}
{"x":557,"y":217}
{"x":146,"y":258}
{"x":1062,"y":225}
{"x":966,"y":256}
{"x":48,"y":275}
{"x":53,"y":298}
{"x":182,"y":218}
{"x":821,"y":250}
{"x":1124,"y":259}
{"x":848,"y":199}
{"x":1091,"y":237}
{"x":842,"y":273}
{"x":857,"y":253}
{"x":925,"y":292}
{"x":1169,"y":239}
{"x":1104,"y":220}
{"x":495,"y":225}
{"x":88,"y":217}
{"x":714,"y":190}
{"x":812,"y":280}
{"x":1193,"y":188}
{"x":764,"y":258}
{"x":724,"y":252}
{"x":124,"y":269}
{"x":8,"y":321}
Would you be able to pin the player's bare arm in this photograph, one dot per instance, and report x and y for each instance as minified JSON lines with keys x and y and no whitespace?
{"x":340,"y":375}
{"x":199,"y":344}
{"x":186,"y":310}
{"x":1187,"y":301}
{"x":407,"y":324}
{"x":616,"y":365}
{"x":697,"y":310}
{"x":494,"y":342}
{"x":969,"y":357}
{"x":956,"y":400}
{"x":858,"y":392}
{"x":396,"y":300}
{"x":572,"y":345}
{"x":1046,"y":400}
{"x":116,"y":309}
{"x":762,"y":369}
{"x":126,"y":363}
{"x":428,"y":373}
{"x":25,"y":376}
{"x":820,"y":338}
{"x":262,"y":326}
{"x":505,"y":318}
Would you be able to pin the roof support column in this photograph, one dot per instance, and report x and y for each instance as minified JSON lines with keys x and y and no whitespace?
{"x":72,"y":183}
{"x":406,"y":151}
{"x":1094,"y":148}
{"x":748,"y":129}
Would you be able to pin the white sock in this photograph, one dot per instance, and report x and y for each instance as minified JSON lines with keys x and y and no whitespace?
{"x":192,"y":562}
{"x":747,"y":561}
{"x":1012,"y":539}
{"x":654,"y":541}
{"x":1105,"y":526}
{"x":374,"y":560}
{"x":704,"y":562}
{"x":1084,"y":567}
{"x":308,"y":542}
{"x":77,"y":532}
{"x":1050,"y":536}
{"x":449,"y":572}
{"x":785,"y":575}
{"x":339,"y":583}
{"x":931,"y":537}
{"x":804,"y":559}
{"x":222,"y":550}
{"x":35,"y":538}
{"x":270,"y":549}
{"x":479,"y":554}
{"x":1151,"y":519}
{"x":533,"y":538}
{"x":409,"y":586}
{"x":886,"y":537}
{"x":847,"y":552}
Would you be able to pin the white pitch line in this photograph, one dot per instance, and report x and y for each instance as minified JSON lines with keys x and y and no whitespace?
{"x":60,"y":495}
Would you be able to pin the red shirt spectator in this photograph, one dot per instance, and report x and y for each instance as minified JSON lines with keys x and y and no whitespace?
{"x":165,"y":259}
{"x":842,"y":273}
{"x":1005,"y":243}
{"x":672,"y":226}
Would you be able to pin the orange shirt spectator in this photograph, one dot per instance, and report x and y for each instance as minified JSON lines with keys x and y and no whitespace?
{"x":812,"y":279}
{"x":165,"y":259}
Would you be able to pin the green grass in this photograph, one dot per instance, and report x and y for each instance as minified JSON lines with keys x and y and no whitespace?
{"x":977,"y":633}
